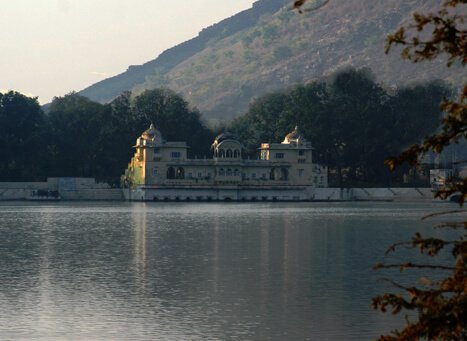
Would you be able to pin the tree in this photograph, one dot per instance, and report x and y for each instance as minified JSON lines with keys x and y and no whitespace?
{"x":263,"y":121}
{"x":352,"y":122}
{"x":174,"y":118}
{"x":361,"y":110}
{"x":74,"y":125}
{"x":87,"y":138}
{"x":21,"y":128}
{"x":442,"y":304}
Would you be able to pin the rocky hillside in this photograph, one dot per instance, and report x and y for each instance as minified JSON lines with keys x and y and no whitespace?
{"x":270,"y":47}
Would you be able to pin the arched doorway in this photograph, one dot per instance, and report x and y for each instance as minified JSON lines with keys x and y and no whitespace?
{"x":180,"y":173}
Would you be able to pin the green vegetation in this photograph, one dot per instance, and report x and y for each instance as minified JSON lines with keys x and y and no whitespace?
{"x":269,"y":33}
{"x":249,"y":56}
{"x":79,"y":137}
{"x":21,"y":136}
{"x":282,"y":52}
{"x":229,"y":54}
{"x":353,"y":123}
{"x":173,"y":117}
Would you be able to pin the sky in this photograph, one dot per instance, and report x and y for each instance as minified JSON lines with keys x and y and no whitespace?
{"x":52,"y":47}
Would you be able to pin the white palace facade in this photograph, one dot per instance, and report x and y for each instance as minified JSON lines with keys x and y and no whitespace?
{"x":161,"y":171}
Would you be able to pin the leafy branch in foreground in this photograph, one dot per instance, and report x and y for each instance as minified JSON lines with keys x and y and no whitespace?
{"x":298,"y":5}
{"x":442,"y":304}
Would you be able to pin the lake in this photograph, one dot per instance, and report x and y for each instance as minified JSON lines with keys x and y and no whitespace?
{"x":200,"y":271}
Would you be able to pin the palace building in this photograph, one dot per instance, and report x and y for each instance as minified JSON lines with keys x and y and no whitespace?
{"x":160,"y":170}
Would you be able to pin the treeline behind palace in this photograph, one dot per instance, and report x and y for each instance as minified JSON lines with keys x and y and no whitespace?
{"x":353,"y":123}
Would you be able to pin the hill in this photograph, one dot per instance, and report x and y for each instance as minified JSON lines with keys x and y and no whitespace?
{"x":270,"y":47}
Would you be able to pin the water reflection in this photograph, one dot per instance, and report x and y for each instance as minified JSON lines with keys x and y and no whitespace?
{"x":201,"y":271}
{"x":140,"y":228}
{"x":260,"y":288}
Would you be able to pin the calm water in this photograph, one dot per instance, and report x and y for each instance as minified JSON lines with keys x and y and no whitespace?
{"x":174,"y":271}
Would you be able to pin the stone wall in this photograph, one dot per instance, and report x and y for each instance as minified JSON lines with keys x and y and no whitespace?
{"x":89,"y":189}
{"x":67,"y":188}
{"x":372,"y":194}
{"x":278,"y":194}
{"x":20,"y":190}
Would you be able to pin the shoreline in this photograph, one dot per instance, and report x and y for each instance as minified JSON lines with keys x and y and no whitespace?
{"x":40,"y":192}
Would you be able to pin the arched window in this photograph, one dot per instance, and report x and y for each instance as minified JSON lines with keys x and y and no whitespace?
{"x":229,"y":172}
{"x":216,"y":154}
{"x":180,"y":173}
{"x":222,"y":153}
{"x":236,"y":153}
{"x":284,"y":174}
{"x":170,"y":173}
{"x":229,"y":153}
{"x":221,"y":172}
{"x":236,"y":172}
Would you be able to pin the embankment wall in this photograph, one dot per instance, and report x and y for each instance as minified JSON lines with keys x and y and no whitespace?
{"x":67,"y":189}
{"x":89,"y":189}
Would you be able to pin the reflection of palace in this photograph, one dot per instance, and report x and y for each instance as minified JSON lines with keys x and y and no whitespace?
{"x":160,"y":170}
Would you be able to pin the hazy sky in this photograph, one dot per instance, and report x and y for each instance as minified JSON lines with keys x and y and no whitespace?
{"x":51,"y":47}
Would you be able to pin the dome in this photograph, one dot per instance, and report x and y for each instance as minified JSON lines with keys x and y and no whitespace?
{"x":294,"y":137}
{"x":224,"y":136}
{"x":227,"y":146}
{"x":152,"y":134}
{"x":295,"y":134}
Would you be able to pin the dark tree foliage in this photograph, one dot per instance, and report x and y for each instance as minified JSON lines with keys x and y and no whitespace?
{"x":21,"y":142}
{"x":82,"y":138}
{"x":363,"y":117}
{"x":118,"y":134}
{"x":264,"y":121}
{"x":74,"y":126}
{"x":88,"y":139}
{"x":174,"y":118}
{"x":352,"y":122}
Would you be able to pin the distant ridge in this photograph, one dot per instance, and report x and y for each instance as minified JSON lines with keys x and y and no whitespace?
{"x":106,"y":90}
{"x":270,"y":47}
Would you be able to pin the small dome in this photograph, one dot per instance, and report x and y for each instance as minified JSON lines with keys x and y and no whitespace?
{"x":223,"y":137}
{"x":295,"y":134}
{"x":294,"y":137}
{"x":226,"y":146}
{"x":152,"y":133}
